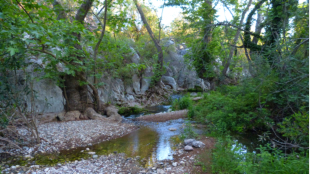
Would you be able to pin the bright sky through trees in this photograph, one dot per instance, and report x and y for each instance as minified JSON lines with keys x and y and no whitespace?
{"x":170,"y":13}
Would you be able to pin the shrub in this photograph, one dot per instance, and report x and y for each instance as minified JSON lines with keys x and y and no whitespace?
{"x":231,"y":111}
{"x":182,"y":103}
{"x":226,"y":158}
{"x":188,"y":131}
{"x":127,"y":111}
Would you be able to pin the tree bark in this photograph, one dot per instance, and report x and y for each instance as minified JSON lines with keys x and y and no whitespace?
{"x":208,"y":37}
{"x":231,"y":51}
{"x":76,"y":93}
{"x":158,"y":47}
{"x":258,"y":27}
{"x":97,"y":47}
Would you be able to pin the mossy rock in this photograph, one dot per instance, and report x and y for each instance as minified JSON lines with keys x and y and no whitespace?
{"x":195,"y":89}
{"x":127,"y":111}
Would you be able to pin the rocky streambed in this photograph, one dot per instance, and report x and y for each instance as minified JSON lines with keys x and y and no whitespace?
{"x":93,"y":146}
{"x":149,"y":148}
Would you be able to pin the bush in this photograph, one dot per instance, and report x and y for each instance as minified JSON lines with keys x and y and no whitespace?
{"x":188,"y":131}
{"x":296,"y":127}
{"x":182,"y":103}
{"x":234,"y":110}
{"x":226,"y":158}
{"x":127,"y":111}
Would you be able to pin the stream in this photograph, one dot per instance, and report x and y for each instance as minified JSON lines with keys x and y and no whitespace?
{"x":151,"y":142}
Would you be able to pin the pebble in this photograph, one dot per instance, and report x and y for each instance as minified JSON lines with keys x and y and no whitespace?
{"x":87,"y":149}
{"x":189,"y":141}
{"x":174,"y":164}
{"x":91,"y":153}
{"x":172,"y":129}
{"x":95,"y":156}
{"x":198,"y":144}
{"x":188,"y":148}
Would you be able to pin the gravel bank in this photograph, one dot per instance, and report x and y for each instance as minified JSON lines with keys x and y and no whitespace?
{"x":111,"y":164}
{"x":57,"y":136}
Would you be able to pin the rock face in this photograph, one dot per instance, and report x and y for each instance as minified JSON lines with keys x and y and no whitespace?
{"x":170,"y":81}
{"x":136,"y":84}
{"x":179,"y":70}
{"x":49,"y":97}
{"x":112,"y":113}
{"x":135,"y":57}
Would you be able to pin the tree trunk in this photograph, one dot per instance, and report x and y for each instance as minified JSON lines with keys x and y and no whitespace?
{"x":208,"y":36}
{"x":158,"y":47}
{"x":231,"y":52}
{"x":76,"y":93}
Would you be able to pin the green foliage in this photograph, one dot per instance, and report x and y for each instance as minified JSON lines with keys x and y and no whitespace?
{"x":296,"y":127}
{"x":182,"y":103}
{"x":157,"y":75}
{"x":227,"y":158}
{"x":127,"y":111}
{"x":188,"y":131}
{"x":235,"y":109}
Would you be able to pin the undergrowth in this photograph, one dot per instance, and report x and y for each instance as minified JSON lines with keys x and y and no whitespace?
{"x":127,"y":111}
{"x":227,"y":158}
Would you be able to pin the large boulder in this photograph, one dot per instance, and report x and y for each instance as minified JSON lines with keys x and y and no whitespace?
{"x":170,"y":81}
{"x":198,"y":144}
{"x":92,"y":114}
{"x":136,"y":83}
{"x":146,"y":80}
{"x":189,"y":142}
{"x":112,"y":91}
{"x":135,"y":57}
{"x":112,"y":113}
{"x":47,"y":95}
{"x":69,"y":116}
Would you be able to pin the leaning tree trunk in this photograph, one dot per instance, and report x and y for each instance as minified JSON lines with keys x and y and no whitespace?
{"x":233,"y":47}
{"x":74,"y":92}
{"x":156,"y":42}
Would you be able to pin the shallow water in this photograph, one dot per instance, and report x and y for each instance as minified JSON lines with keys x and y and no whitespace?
{"x":152,"y":142}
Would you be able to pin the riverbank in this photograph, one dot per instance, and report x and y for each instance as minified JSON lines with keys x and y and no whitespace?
{"x":56,"y":136}
{"x":183,"y":162}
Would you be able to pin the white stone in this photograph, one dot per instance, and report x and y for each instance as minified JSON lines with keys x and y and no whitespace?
{"x":189,"y":142}
{"x":198,"y":144}
{"x":188,"y":148}
{"x":172,"y":129}
{"x":174,"y":164}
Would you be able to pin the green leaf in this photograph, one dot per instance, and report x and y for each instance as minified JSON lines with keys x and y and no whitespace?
{"x":12,"y":50}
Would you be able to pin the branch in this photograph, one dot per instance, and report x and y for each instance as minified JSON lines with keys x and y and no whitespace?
{"x":59,"y":10}
{"x":297,"y":47}
{"x":235,"y":26}
{"x":83,"y":10}
{"x":247,"y":37}
{"x":10,"y":142}
{"x":43,"y":51}
{"x":25,"y":10}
